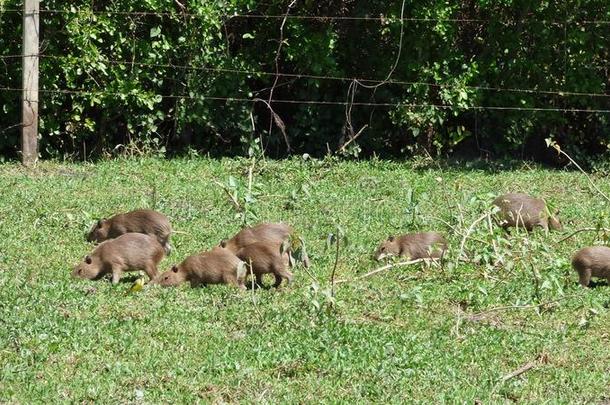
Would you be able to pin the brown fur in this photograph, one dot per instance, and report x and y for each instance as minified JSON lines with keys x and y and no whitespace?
{"x":217,"y":266}
{"x":592,"y":261}
{"x":265,"y":258}
{"x":131,"y":251}
{"x":524,"y":211}
{"x":144,"y":221}
{"x":413,"y":245}
{"x":265,"y":232}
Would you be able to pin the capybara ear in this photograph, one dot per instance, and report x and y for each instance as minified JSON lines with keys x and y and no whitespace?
{"x":391,"y":238}
{"x":223,"y":243}
{"x":101,"y":222}
{"x":175,"y":268}
{"x":88,"y":259}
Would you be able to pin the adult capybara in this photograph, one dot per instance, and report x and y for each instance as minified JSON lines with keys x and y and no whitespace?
{"x":128,"y":252}
{"x":266,"y":258}
{"x":423,"y":245}
{"x":264,"y":232}
{"x":217,"y":266}
{"x":524,"y":211}
{"x":144,"y":221}
{"x":592,"y":261}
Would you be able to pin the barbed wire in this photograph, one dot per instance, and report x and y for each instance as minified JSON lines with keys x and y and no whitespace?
{"x":317,"y":102}
{"x":323,"y":77}
{"x":382,"y":18}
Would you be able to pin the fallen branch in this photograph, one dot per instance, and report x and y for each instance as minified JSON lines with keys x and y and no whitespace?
{"x":555,"y":145}
{"x":352,"y":139}
{"x":582,"y":230}
{"x":386,"y":267}
{"x":519,"y":371}
{"x":277,"y":120}
{"x":469,"y":231}
{"x":524,"y":306}
{"x":541,"y":358}
{"x":332,"y":276}
{"x":226,"y":190}
{"x":252,"y":285}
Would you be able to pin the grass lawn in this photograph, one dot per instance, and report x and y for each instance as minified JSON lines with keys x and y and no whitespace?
{"x":409,"y":334}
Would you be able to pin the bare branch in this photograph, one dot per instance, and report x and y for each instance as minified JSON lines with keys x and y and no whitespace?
{"x":386,"y":267}
{"x":233,"y":199}
{"x":582,"y":230}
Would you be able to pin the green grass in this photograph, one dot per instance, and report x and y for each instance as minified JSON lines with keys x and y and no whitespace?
{"x":410,"y":334}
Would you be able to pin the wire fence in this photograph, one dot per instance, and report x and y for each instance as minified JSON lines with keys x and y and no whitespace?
{"x":371,"y":83}
{"x":561,"y":93}
{"x":204,"y":97}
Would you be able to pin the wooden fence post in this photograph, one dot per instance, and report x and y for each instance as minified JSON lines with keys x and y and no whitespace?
{"x":29,"y":106}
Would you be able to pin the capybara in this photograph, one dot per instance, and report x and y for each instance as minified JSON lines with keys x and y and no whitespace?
{"x":217,"y":266}
{"x":592,"y":261}
{"x":264,"y":258}
{"x":524,"y":211}
{"x":264,"y":232}
{"x":144,"y":221}
{"x":128,"y":252}
{"x":422,"y":245}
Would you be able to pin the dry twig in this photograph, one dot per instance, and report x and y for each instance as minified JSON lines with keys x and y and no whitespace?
{"x":386,"y":267}
{"x":582,"y":230}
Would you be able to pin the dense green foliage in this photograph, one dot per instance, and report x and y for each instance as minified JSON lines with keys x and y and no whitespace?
{"x":409,"y":334}
{"x":462,"y":46}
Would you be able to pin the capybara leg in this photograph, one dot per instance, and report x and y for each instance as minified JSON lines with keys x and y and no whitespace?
{"x":282,"y":273}
{"x":259,"y":280}
{"x":167,"y":247}
{"x":151,"y":271}
{"x":584,"y":277}
{"x":306,"y":262}
{"x":116,"y":275}
{"x":278,"y":281}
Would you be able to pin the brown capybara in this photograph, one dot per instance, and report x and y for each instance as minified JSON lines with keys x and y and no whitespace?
{"x":128,"y":252}
{"x":524,"y":211}
{"x":592,"y":261}
{"x":217,"y":266}
{"x":424,"y":245}
{"x":144,"y":221}
{"x":266,"y":233}
{"x":266,"y":258}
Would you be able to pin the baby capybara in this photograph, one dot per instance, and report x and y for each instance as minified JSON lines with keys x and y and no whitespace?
{"x":266,"y":232}
{"x":592,"y":261}
{"x":266,"y":258}
{"x":424,"y":245}
{"x":524,"y":211}
{"x":217,"y":266}
{"x":128,"y":252}
{"x":144,"y":221}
